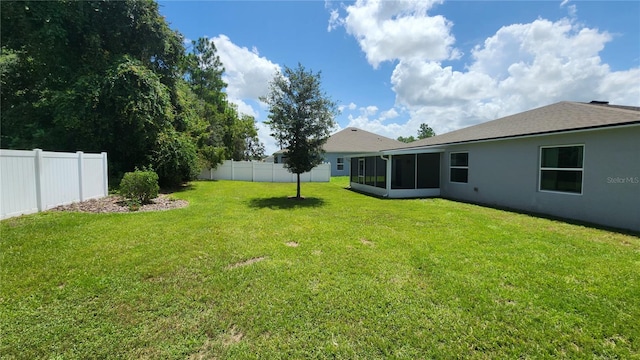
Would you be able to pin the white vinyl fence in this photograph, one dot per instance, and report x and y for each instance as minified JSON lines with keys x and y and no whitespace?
{"x":32,"y":181}
{"x":264,"y":172}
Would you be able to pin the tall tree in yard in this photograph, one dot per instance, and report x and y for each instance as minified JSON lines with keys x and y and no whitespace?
{"x":300,"y":117}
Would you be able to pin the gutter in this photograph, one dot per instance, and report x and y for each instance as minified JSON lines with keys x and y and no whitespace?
{"x":512,"y":137}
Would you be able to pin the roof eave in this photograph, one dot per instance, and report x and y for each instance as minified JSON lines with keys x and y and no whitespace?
{"x":510,"y":137}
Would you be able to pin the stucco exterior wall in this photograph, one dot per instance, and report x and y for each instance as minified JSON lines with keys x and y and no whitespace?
{"x":333,"y":159}
{"x":506,"y":174}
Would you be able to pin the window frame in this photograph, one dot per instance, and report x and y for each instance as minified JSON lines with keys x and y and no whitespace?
{"x":541,"y":169}
{"x":451,"y":167}
{"x":340,"y":164}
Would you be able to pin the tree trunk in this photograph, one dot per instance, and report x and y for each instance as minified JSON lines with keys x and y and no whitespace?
{"x":298,"y":190}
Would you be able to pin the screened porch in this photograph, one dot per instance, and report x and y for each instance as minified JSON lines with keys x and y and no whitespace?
{"x":397,"y":175}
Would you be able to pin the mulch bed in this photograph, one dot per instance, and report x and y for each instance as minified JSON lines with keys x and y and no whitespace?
{"x":117,"y":204}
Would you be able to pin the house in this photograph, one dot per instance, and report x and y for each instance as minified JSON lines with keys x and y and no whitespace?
{"x":346,"y":143}
{"x":572,"y":160}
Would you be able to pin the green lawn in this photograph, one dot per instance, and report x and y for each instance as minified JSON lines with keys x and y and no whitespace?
{"x":369,"y":278}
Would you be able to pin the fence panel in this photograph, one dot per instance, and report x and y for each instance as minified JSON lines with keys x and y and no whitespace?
{"x":37,"y":180}
{"x":263,"y":172}
{"x":18,"y":183}
{"x":242,"y":170}
{"x":282,"y":175}
{"x":94,"y":180}
{"x":59,"y":174}
{"x":321,"y":173}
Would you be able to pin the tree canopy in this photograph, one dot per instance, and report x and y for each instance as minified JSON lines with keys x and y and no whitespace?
{"x":301,"y":117}
{"x":424,"y":132}
{"x":112,"y":76}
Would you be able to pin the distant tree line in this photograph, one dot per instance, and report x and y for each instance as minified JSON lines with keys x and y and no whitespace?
{"x":424,"y":132}
{"x":112,"y":76}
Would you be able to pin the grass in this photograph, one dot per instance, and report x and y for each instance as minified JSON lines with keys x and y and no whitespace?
{"x":244,"y":272}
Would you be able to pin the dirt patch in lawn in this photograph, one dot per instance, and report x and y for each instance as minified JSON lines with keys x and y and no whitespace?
{"x":246,"y":262}
{"x":232,"y":337}
{"x":366,"y":242}
{"x":292,"y":244}
{"x":117,"y":204}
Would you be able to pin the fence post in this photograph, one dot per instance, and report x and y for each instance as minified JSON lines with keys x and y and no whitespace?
{"x":105,"y":174}
{"x":38,"y":167}
{"x":80,"y":174}
{"x":233,"y":176}
{"x":253,"y":171}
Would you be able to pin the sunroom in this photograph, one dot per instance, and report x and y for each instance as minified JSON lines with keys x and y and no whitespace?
{"x":404,"y":173}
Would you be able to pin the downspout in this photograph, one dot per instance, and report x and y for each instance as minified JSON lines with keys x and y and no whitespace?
{"x":387,"y":177}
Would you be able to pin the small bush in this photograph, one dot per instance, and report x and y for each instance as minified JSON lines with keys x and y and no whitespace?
{"x":140,"y":186}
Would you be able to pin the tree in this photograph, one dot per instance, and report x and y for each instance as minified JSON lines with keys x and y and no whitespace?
{"x":112,"y":76}
{"x":89,"y":75}
{"x":406,"y":139}
{"x":301,"y":117}
{"x":425,"y":131}
{"x":228,"y":132}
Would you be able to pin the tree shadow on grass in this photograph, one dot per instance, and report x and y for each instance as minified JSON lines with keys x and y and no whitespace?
{"x":177,"y":188}
{"x":283,"y":203}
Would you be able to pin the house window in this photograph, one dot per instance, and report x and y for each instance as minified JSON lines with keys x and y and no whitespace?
{"x":561,"y":168}
{"x":340,"y":164}
{"x":459,"y":167}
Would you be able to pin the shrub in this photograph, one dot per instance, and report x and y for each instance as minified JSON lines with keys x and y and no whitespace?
{"x":175,"y":159}
{"x":140,"y":186}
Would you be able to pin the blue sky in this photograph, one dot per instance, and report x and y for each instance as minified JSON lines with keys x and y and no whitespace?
{"x":392,"y":65}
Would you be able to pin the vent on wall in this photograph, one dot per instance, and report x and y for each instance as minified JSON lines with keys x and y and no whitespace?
{"x":596,"y":102}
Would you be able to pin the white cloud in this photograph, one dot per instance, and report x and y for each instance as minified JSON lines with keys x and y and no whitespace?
{"x":246,"y":73}
{"x":520,"y":67}
{"x":334,"y":20}
{"x":369,"y":110}
{"x":264,"y":134}
{"x":543,"y":62}
{"x":243,"y":107}
{"x":573,"y":10}
{"x":371,"y":119}
{"x":398,"y":30}
{"x":422,"y":83}
{"x":376,"y":126}
{"x":389,"y":114}
{"x":352,"y":106}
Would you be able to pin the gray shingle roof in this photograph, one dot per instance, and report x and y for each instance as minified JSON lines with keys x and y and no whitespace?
{"x":353,"y":140}
{"x":558,"y":117}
